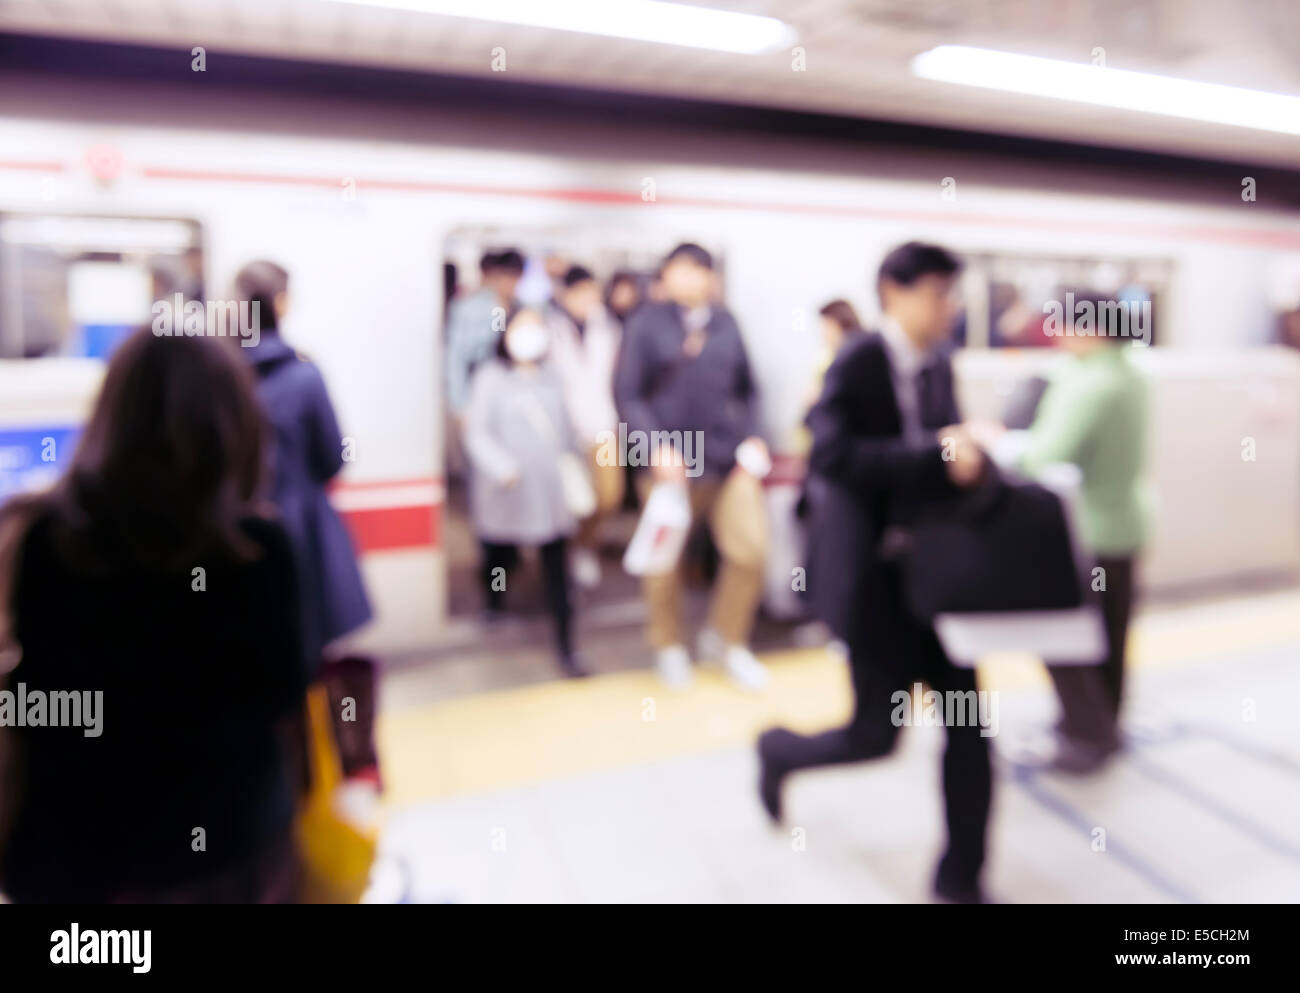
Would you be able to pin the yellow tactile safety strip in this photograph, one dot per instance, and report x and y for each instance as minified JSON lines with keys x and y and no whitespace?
{"x":518,"y":736}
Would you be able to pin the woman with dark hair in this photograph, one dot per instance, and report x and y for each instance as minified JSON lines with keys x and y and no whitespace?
{"x":839,"y":324}
{"x":584,"y":351}
{"x":146,"y":588}
{"x":623,"y":295}
{"x":306,"y":453}
{"x":517,"y":431}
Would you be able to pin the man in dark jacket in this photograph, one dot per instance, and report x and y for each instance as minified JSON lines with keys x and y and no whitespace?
{"x":306,"y":453}
{"x":886,"y":440}
{"x":684,"y":388}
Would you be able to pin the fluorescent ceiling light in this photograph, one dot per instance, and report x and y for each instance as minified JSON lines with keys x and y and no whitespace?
{"x":640,"y":20}
{"x":1121,"y":88}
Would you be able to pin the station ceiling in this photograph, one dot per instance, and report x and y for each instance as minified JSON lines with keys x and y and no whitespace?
{"x":855,"y":61}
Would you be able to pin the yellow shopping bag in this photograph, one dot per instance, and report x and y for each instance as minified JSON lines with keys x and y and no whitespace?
{"x":336,"y":853}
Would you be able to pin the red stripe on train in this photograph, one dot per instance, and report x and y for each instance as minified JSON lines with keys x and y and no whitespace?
{"x":1282,"y":238}
{"x":386,"y":529}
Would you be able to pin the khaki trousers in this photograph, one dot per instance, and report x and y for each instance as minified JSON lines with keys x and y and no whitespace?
{"x":607,"y":481}
{"x":734,"y":510}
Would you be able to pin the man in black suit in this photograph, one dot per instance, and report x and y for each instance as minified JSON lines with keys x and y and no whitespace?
{"x":886,"y":439}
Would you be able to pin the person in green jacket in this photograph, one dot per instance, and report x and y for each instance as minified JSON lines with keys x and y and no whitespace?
{"x":1094,"y":415}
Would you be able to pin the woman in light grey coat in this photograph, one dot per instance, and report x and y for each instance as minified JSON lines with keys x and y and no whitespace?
{"x":516,"y":430}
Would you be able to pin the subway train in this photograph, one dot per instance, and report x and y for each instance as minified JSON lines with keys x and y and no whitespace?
{"x":370,"y":230}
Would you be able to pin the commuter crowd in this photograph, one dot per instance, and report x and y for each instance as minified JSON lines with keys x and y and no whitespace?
{"x":890,"y":462}
{"x":214,"y":584}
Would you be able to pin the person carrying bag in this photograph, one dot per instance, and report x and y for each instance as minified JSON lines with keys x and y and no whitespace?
{"x":528,"y":484}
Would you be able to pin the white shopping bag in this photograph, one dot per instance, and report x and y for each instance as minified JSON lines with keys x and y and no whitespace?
{"x":1060,"y":637}
{"x":661,"y":533}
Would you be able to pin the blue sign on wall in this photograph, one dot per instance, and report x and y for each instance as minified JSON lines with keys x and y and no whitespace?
{"x":100,"y":341}
{"x":33,"y":458}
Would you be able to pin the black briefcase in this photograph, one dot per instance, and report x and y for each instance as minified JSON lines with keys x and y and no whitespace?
{"x":1002,"y":547}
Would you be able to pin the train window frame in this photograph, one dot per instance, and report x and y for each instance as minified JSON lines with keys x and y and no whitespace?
{"x":13,"y":332}
{"x":980,"y":272}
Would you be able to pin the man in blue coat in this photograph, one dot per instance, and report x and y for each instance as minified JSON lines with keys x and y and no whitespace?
{"x":306,"y":453}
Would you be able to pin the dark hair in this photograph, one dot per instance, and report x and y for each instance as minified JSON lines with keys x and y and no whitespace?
{"x":261,"y":282}
{"x":909,"y":262}
{"x":1107,"y":320}
{"x":169,"y":464}
{"x":508,"y":260}
{"x":577,"y":274}
{"x":692,"y":252}
{"x":843,"y":314}
{"x":623,"y":276}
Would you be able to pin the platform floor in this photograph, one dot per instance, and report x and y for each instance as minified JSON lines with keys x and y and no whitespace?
{"x":615,"y":789}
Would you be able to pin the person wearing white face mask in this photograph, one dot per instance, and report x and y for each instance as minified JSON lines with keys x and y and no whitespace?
{"x":517,"y":437}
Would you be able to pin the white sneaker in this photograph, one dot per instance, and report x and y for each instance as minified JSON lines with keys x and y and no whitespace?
{"x":586,"y":568}
{"x":674,"y":665}
{"x":744,"y":669}
{"x":709,"y":646}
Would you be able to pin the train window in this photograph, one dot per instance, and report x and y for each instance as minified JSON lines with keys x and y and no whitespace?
{"x":75,"y":285}
{"x":1012,"y":301}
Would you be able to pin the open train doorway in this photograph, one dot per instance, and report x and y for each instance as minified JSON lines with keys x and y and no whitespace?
{"x":622,"y":270}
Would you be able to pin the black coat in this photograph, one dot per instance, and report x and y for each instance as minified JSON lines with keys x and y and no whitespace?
{"x":193,"y":683}
{"x":864,"y":477}
{"x":657,"y":387}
